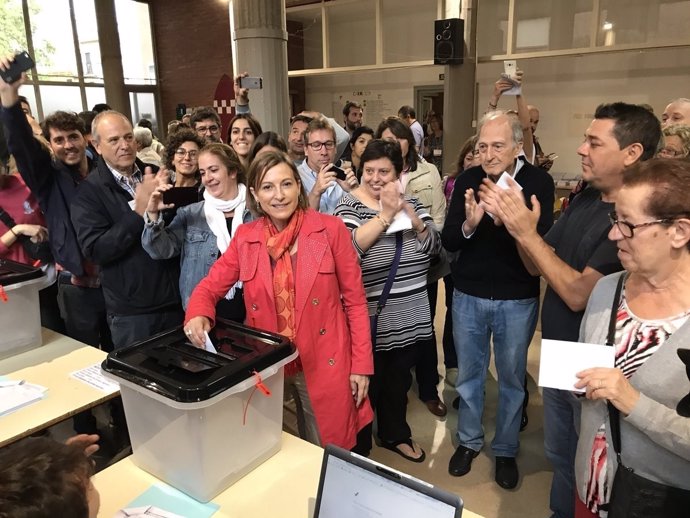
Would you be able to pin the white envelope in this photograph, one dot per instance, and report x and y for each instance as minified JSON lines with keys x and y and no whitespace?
{"x":561,"y":360}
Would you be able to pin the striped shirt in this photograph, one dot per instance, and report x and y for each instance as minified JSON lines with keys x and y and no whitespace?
{"x":406,"y":318}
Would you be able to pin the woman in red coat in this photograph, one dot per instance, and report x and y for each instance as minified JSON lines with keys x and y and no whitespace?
{"x":301,"y":279}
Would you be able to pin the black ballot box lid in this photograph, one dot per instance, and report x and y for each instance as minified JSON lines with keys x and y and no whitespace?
{"x":12,"y":272}
{"x":169,"y":365}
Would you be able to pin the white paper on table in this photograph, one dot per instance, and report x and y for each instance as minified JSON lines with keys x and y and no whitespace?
{"x":561,"y":360}
{"x":209,"y":344}
{"x":147,"y":511}
{"x":92,"y":376}
{"x":18,"y":395}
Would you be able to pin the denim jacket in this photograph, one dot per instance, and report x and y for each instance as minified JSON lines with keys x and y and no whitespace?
{"x":188,"y":236}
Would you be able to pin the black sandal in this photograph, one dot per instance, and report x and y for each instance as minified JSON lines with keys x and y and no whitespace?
{"x":393,"y":446}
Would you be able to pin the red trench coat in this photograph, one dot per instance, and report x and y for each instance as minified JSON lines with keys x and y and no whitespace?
{"x":333,"y":334}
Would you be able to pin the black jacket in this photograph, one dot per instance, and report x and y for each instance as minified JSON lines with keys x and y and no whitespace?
{"x":489,"y":265}
{"x":52,"y":183}
{"x":109,"y":233}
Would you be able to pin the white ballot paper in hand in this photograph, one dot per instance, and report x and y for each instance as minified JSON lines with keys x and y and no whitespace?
{"x":209,"y":344}
{"x":561,"y":360}
{"x":503,"y":182}
{"x":401,"y":221}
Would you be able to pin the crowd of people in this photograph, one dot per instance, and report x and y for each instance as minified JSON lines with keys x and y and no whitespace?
{"x":336,"y":237}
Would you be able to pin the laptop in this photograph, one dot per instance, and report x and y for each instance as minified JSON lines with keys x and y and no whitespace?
{"x":352,"y":486}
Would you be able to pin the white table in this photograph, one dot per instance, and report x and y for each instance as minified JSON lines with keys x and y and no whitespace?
{"x":50,"y":366}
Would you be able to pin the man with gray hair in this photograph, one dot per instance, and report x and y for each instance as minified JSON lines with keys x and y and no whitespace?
{"x":141,"y":295}
{"x":677,"y":112}
{"x":144,"y":140}
{"x":495,"y":298}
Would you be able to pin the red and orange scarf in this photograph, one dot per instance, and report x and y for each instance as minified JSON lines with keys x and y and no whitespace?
{"x":279,"y":245}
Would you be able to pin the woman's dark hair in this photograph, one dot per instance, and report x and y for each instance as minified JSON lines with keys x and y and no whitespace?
{"x":362,"y":130}
{"x":257,"y":171}
{"x":379,"y":148}
{"x":267,"y":138}
{"x":669,"y":179}
{"x":402,"y":131}
{"x":176,"y":140}
{"x":228,"y":157}
{"x":41,"y":477}
{"x":467,"y":146}
{"x":438,"y":118}
{"x":251,"y":120}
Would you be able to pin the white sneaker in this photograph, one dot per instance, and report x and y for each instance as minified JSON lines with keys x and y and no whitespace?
{"x":451,"y":377}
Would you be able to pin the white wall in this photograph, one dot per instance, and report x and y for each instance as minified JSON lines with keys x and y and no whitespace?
{"x":382,"y":93}
{"x":567,"y":90}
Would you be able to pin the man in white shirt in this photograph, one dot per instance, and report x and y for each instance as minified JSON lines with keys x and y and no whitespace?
{"x":409,"y":116}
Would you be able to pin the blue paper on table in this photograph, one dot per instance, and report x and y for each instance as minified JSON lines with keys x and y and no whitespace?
{"x":170,"y":499}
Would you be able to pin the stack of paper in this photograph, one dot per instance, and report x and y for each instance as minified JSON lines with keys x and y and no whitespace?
{"x":18,"y":394}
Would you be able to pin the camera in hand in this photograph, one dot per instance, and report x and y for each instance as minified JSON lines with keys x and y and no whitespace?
{"x":339,"y":172}
{"x":181,"y":196}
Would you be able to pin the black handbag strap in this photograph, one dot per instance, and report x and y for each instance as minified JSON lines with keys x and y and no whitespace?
{"x":7,"y":219}
{"x":391,"y":274}
{"x":614,"y":414}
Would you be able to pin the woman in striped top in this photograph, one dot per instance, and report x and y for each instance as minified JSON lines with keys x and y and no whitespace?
{"x":405,"y":323}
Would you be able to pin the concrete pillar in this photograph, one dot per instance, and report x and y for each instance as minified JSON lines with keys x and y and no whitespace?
{"x":459,"y":86}
{"x":111,"y":57}
{"x":259,"y":47}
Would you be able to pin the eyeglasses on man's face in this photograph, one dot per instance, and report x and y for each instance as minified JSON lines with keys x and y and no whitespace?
{"x":202,"y":130}
{"x":627,"y":229}
{"x":316,"y":146}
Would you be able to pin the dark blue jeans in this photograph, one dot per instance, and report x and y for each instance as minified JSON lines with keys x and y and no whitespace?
{"x":561,"y":426}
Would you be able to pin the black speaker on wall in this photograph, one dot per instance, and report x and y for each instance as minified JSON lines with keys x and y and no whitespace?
{"x":449,"y":41}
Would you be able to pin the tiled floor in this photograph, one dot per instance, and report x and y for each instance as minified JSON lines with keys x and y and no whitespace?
{"x":478,"y":490}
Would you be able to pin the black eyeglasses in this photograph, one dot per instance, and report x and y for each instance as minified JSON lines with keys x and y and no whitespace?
{"x":627,"y":229}
{"x":207,"y":129}
{"x":316,"y":146}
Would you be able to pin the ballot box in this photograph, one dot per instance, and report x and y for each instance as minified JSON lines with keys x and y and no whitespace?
{"x":200,"y":420}
{"x":20,"y":313}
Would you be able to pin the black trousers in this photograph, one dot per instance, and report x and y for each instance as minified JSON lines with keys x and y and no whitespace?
{"x":450,"y":357}
{"x":388,"y":392}
{"x":83,"y":310}
{"x":426,"y":369}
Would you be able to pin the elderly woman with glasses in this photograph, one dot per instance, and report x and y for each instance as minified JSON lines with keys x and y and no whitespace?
{"x":202,"y":231}
{"x":646,"y":322}
{"x":676,"y":142}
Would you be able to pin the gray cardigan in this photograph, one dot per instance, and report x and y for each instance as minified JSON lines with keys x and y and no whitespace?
{"x":655,"y":439}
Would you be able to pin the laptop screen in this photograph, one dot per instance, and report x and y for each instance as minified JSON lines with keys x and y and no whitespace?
{"x":353,"y":486}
